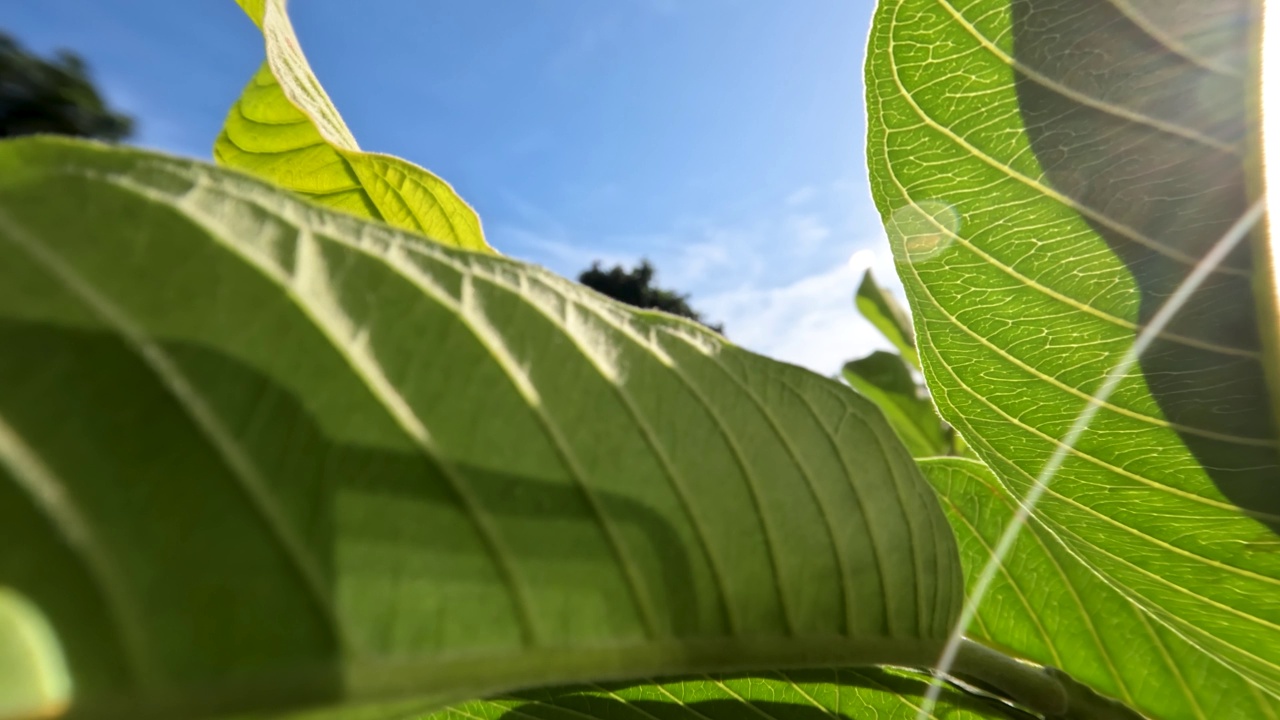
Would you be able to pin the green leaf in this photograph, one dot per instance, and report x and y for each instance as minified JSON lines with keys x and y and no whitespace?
{"x":284,"y":128}
{"x":791,"y":695}
{"x":884,"y":379}
{"x":887,"y":316}
{"x":256,"y":454}
{"x":1057,"y":610}
{"x":1092,"y":153}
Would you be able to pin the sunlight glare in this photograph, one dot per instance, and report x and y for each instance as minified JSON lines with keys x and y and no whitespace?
{"x":862,"y":260}
{"x":925,"y":229}
{"x":1220,"y":250}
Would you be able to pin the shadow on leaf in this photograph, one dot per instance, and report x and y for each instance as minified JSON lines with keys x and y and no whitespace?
{"x":1161,"y":161}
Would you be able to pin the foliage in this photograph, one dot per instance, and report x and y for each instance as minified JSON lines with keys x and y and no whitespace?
{"x":892,"y":380}
{"x":285,"y":129}
{"x":1101,"y":146}
{"x":312,"y":450}
{"x":53,"y":96}
{"x":635,"y":287}
{"x":395,"y":519}
{"x":1051,"y":604}
{"x":884,"y":313}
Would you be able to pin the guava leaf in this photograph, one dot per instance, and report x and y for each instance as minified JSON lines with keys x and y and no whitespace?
{"x":1057,"y":610}
{"x":257,"y":454}
{"x":793,"y":695}
{"x":284,"y":128}
{"x":1048,"y":172}
{"x":884,"y":378}
{"x":886,"y":315}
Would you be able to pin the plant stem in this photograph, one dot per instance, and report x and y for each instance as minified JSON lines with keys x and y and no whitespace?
{"x":1044,"y":690}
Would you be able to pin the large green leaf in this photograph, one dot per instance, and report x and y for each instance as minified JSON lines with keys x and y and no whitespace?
{"x":1049,"y":171}
{"x":884,"y":378}
{"x":793,"y":695}
{"x":255,"y":453}
{"x":1057,"y":610}
{"x":284,"y":128}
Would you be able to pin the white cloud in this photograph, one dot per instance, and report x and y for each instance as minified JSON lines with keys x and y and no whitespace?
{"x":686,"y":257}
{"x":876,"y":257}
{"x":811,"y":322}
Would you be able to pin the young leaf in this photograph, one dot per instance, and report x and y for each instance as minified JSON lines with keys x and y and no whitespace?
{"x":1051,"y":603}
{"x":884,"y":379}
{"x":284,"y":128}
{"x":1093,"y":155}
{"x":884,"y":313}
{"x":256,"y":454}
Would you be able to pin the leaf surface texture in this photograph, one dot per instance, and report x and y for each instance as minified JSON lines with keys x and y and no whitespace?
{"x":1048,"y":172}
{"x":255,"y":453}
{"x":285,"y":129}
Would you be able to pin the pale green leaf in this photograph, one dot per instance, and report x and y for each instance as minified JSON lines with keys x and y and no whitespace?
{"x":1049,"y":171}
{"x":255,"y":453}
{"x":886,"y":315}
{"x":884,"y":379}
{"x":1056,"y":609}
{"x":284,"y":128}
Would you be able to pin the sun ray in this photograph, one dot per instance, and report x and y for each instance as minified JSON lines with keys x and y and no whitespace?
{"x":1221,"y":249}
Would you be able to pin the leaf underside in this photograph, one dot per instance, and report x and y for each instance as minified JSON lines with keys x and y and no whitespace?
{"x":885,"y":314}
{"x":885,"y":379}
{"x":795,"y":695}
{"x":256,"y":454}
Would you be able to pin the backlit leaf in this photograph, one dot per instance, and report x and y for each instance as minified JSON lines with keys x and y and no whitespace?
{"x":1051,"y":604}
{"x":790,"y":695}
{"x":256,"y":454}
{"x":886,"y":315}
{"x":1049,"y":171}
{"x":885,"y":379}
{"x":285,"y":129}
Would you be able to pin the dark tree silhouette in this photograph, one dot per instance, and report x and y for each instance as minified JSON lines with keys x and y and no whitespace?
{"x":635,"y":287}
{"x":53,"y":96}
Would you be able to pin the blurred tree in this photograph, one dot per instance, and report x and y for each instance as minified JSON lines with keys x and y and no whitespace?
{"x":635,"y":287}
{"x":53,"y":96}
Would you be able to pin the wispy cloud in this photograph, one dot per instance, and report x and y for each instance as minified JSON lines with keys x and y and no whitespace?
{"x":553,"y":253}
{"x":782,"y":284}
{"x":810,"y":322}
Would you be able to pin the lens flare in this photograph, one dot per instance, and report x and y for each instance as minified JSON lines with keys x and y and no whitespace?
{"x":924,"y":229}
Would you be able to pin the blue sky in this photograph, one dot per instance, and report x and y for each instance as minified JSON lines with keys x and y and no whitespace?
{"x":722,"y":139}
